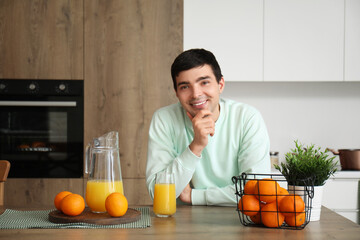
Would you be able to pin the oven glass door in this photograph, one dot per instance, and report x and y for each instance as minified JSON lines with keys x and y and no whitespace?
{"x":42,"y":139}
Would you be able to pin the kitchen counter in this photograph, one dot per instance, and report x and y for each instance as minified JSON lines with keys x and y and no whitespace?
{"x":346,"y":175}
{"x":201,"y":222}
{"x":337,"y":175}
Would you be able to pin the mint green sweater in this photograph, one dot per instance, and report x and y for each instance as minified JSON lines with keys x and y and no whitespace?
{"x":240,"y":144}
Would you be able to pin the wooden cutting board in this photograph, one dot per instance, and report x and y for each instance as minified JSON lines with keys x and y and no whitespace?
{"x":87,"y":216}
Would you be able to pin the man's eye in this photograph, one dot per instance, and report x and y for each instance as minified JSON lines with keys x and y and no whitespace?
{"x":205,"y":82}
{"x":183,"y":87}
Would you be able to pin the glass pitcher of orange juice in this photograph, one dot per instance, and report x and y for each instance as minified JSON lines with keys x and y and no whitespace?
{"x":103,"y":171}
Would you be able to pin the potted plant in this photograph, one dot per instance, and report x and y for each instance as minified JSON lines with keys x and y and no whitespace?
{"x":308,"y":163}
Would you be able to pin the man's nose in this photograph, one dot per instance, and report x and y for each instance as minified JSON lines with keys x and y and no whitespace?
{"x":196,"y":92}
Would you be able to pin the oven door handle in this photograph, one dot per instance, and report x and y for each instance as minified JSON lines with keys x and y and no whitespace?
{"x":38,"y":103}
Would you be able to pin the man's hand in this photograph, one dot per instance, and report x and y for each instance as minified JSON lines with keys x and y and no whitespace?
{"x":185,"y":195}
{"x":203,"y":125}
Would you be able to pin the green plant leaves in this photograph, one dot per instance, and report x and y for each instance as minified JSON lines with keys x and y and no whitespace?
{"x":307,"y":163}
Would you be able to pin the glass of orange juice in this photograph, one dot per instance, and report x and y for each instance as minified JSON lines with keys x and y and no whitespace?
{"x":164,"y":195}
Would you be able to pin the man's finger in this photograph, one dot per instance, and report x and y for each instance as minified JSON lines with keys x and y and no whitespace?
{"x":189,"y":115}
{"x":205,"y":113}
{"x":212,"y":132}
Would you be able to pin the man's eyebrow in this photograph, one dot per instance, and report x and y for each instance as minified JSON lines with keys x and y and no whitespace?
{"x":182,"y":83}
{"x":197,"y":80}
{"x":202,"y":78}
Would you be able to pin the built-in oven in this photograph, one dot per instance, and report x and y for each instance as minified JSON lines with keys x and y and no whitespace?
{"x":41,"y":127}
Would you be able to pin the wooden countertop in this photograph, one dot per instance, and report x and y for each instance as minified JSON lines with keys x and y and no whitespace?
{"x":201,"y":222}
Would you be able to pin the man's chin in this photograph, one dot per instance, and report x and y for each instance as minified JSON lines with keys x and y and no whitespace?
{"x":193,"y":112}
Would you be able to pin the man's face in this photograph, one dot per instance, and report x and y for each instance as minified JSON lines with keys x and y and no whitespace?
{"x":198,"y":89}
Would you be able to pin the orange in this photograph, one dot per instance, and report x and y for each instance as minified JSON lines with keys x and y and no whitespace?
{"x":266,"y":190}
{"x":73,"y":205}
{"x":292,"y":204}
{"x":270,"y":216}
{"x":116,"y":204}
{"x":283,"y":192}
{"x":295,"y":221}
{"x":249,"y":205}
{"x":249,"y":187}
{"x":59,"y":197}
{"x":257,"y":218}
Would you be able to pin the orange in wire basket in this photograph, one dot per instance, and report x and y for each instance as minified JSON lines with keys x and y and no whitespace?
{"x":257,"y":218}
{"x":296,"y":220}
{"x":249,"y":205}
{"x":292,"y":204}
{"x":249,"y":187}
{"x":270,"y":216}
{"x":73,"y":205}
{"x":283,"y":192}
{"x":266,"y":190}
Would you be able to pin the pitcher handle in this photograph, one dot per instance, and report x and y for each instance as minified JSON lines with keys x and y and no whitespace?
{"x":87,"y":160}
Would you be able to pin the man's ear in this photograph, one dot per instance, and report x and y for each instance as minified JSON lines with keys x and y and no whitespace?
{"x":221,"y":84}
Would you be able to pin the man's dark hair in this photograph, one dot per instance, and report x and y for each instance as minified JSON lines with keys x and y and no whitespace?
{"x":194,"y":58}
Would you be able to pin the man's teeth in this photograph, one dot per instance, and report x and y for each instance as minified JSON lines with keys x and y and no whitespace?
{"x":200,"y":103}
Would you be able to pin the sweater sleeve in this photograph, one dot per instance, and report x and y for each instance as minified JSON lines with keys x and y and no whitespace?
{"x":220,"y":196}
{"x":254,"y":156}
{"x":162,"y":156}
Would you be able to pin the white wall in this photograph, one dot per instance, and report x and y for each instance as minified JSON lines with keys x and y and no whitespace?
{"x":326,"y":114}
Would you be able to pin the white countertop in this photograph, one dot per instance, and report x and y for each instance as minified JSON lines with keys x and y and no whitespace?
{"x":337,"y":175}
{"x":346,"y":175}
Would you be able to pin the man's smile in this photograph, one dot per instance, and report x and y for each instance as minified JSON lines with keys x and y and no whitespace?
{"x":199,"y":104}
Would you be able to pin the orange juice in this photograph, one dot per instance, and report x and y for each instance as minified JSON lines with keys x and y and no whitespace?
{"x":164,"y":199}
{"x":97,"y":192}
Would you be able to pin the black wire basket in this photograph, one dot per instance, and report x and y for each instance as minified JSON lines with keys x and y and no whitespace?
{"x":259,"y":216}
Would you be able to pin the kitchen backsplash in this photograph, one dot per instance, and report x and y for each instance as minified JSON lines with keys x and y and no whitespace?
{"x":326,"y":114}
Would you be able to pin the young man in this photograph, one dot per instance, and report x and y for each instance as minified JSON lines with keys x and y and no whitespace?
{"x":205,"y":140}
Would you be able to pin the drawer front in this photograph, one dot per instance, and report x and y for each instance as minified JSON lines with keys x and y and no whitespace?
{"x":341,"y":194}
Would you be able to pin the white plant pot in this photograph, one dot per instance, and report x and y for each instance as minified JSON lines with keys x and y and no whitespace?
{"x":315,"y":201}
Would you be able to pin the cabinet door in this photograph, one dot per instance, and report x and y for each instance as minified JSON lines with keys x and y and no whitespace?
{"x":352,"y":40}
{"x":232,"y":30}
{"x":340,"y":194}
{"x":129,"y":48}
{"x":303,"y":40}
{"x":41,"y":39}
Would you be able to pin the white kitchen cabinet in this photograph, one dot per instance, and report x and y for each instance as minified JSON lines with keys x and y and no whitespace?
{"x":278,"y":40}
{"x":352,"y":40}
{"x":341,"y":194}
{"x":303,"y":40}
{"x":232,"y":30}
